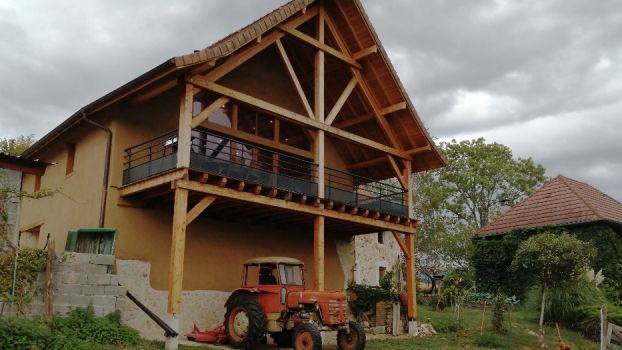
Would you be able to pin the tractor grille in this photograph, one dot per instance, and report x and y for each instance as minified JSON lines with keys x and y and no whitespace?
{"x":334,"y":311}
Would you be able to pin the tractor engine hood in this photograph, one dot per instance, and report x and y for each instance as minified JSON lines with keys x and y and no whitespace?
{"x":332,"y":304}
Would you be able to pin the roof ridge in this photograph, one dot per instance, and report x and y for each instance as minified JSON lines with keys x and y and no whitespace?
{"x":518,"y":204}
{"x":571,"y":187}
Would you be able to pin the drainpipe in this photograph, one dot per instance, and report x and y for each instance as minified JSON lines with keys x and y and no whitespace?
{"x":102,"y":212}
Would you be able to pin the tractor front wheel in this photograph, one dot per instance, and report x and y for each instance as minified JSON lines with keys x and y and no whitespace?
{"x":307,"y":337}
{"x":245,"y":325}
{"x":355,"y":340}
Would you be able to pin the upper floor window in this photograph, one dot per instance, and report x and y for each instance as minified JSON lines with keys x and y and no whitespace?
{"x":71,"y":156}
{"x":37,"y":183}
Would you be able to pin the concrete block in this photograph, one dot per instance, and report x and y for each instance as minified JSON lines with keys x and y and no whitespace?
{"x":93,"y":290}
{"x":101,"y":311}
{"x":121,"y":302}
{"x":92,"y":269}
{"x":100,"y":259}
{"x":70,"y":278}
{"x":61,"y":309}
{"x":71,"y":289}
{"x":106,"y":301}
{"x":98,"y":279}
{"x":74,"y":300}
{"x":35,"y":309}
{"x":70,"y":267}
{"x":114,"y":280}
{"x":115,"y":290}
{"x":77,"y":258}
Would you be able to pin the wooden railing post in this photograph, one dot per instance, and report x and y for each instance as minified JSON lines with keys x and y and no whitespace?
{"x":411,"y":285}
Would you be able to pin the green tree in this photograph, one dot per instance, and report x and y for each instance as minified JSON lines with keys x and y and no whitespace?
{"x":548,"y":260}
{"x":456,"y":201}
{"x":17,"y":145}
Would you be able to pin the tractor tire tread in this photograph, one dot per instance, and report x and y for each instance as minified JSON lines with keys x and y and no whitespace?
{"x":256,"y":320}
{"x":316,"y":336}
{"x":354,"y":327}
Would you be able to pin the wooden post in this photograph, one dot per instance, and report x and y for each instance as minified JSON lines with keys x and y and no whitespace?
{"x":409,"y":181}
{"x":318,"y":253}
{"x":176,"y":272}
{"x":49,"y":282}
{"x":603,"y":327}
{"x":411,"y":281}
{"x":184,"y":135}
{"x":318,"y":144}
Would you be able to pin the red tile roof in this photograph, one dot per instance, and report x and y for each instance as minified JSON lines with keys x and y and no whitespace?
{"x":560,"y":201}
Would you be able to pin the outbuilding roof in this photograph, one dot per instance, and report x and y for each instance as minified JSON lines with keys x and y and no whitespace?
{"x":560,"y":201}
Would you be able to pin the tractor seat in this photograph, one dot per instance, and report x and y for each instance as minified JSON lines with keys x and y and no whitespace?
{"x":265,"y":276}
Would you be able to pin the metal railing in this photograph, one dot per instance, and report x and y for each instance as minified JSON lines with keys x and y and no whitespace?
{"x":363,"y":192}
{"x":151,"y":157}
{"x":236,"y":159}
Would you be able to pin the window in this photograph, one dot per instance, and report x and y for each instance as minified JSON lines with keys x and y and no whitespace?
{"x":251,"y":275}
{"x":30,"y":238}
{"x":382,"y":271}
{"x":37,"y":183}
{"x":381,"y":237}
{"x":71,"y":156}
{"x":291,"y":275}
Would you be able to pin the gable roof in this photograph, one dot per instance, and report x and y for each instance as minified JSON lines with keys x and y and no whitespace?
{"x":560,"y":201}
{"x":357,"y":33}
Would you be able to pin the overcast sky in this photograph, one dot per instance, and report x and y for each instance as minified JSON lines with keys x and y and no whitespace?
{"x":542,"y":77}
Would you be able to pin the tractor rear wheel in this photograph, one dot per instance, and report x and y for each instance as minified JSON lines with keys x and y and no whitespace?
{"x":283,"y":339}
{"x":307,"y":337}
{"x":353,"y":341}
{"x":245,"y":325}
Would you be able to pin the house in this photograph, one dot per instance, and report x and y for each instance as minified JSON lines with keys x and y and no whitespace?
{"x":11,"y":170}
{"x":275,"y":140}
{"x":561,"y":202}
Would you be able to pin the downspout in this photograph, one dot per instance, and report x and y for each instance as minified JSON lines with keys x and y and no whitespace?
{"x":102,"y":212}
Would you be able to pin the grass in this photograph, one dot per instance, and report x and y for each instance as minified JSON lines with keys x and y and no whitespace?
{"x":467,"y":336}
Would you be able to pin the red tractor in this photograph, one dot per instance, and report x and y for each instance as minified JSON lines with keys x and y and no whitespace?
{"x":273,"y":300}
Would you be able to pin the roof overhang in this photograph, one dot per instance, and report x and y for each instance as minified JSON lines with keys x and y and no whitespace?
{"x":17,"y":163}
{"x":575,"y":223}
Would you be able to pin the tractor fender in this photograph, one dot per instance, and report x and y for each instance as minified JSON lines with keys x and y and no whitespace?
{"x":241,"y":292}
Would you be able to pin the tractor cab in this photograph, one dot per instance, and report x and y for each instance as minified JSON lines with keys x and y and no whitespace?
{"x":277,"y":271}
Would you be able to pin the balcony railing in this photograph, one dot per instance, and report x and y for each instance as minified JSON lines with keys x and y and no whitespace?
{"x":363,"y":192}
{"x":240,"y":160}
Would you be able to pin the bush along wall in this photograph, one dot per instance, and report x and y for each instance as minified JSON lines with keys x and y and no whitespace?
{"x":492,"y":258}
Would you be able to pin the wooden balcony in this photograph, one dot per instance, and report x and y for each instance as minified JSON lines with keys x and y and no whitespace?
{"x":257,"y":185}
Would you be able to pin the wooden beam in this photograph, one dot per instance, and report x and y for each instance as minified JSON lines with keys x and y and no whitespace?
{"x":318,"y":138}
{"x":334,"y":31}
{"x":318,"y":253}
{"x":156,"y":90}
{"x":394,"y":108}
{"x":236,"y":60}
{"x":294,"y":79}
{"x":292,"y":206}
{"x":202,"y":68}
{"x":199,"y":208}
{"x":367,"y":163}
{"x":203,"y":178}
{"x":411,"y":280}
{"x":184,"y":134}
{"x":353,"y":211}
{"x":365,"y":52}
{"x":297,"y":118}
{"x":317,"y":44}
{"x":408,"y":178}
{"x":341,"y":100}
{"x":384,"y":124}
{"x":201,"y":117}
{"x":364,"y":213}
{"x":152,"y":182}
{"x":257,"y":139}
{"x":176,"y":271}
{"x":14,"y":164}
{"x":397,"y":172}
{"x":256,"y":190}
{"x":419,"y":150}
{"x":402,"y":244}
{"x":369,"y":116}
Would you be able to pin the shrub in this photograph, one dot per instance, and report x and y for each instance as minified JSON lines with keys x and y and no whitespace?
{"x":587,"y":319}
{"x":446,"y":325}
{"x":437,"y":302}
{"x":562,"y":301}
{"x":368,"y":296}
{"x":81,"y":330}
{"x":488,"y":340}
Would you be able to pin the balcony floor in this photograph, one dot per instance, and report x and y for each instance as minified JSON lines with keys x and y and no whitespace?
{"x":270,"y":208}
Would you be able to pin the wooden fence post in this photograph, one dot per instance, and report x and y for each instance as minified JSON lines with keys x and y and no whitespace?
{"x":49,"y":282}
{"x":603,"y":327}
